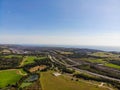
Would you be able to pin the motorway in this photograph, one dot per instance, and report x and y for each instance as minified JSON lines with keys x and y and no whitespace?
{"x":53,"y":59}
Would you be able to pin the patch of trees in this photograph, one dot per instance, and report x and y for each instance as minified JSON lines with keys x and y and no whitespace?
{"x":44,"y":61}
{"x":94,"y":78}
{"x":58,"y":65}
{"x":117,"y":62}
{"x":63,"y":68}
{"x":7,"y":63}
{"x":100,"y":70}
{"x":87,"y":77}
{"x":1,"y":49}
{"x":77,"y":55}
{"x":68,"y":70}
{"x":35,"y":86}
{"x":84,"y":55}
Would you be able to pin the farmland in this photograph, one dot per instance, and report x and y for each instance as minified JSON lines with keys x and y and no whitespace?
{"x":25,"y":84}
{"x":32,"y":69}
{"x":63,"y":82}
{"x":11,"y":56}
{"x":30,"y":60}
{"x":112,"y":65}
{"x":9,"y":77}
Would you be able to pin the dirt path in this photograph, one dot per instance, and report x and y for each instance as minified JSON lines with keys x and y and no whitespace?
{"x":19,"y":72}
{"x":101,"y":84}
{"x":24,"y":59}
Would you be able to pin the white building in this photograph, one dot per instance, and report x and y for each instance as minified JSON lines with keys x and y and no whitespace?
{"x":56,"y":74}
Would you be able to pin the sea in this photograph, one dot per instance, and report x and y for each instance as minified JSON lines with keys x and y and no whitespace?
{"x":103,"y":48}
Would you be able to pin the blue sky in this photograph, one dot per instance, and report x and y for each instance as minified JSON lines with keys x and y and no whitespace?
{"x":62,"y":22}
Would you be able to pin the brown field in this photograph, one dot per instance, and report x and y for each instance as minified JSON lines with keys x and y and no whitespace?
{"x":41,"y":67}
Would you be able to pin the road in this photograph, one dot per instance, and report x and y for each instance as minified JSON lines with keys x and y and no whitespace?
{"x":52,"y":58}
{"x":95,"y":74}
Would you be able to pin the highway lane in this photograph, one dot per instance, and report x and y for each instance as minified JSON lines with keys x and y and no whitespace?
{"x":52,"y":58}
{"x":95,"y":74}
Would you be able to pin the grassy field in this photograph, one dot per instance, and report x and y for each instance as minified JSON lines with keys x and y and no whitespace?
{"x":112,"y":65}
{"x":6,"y":51}
{"x":105,"y":54}
{"x":22,"y":72}
{"x":9,"y":77}
{"x":105,"y":63}
{"x":10,"y":56}
{"x":96,"y":61}
{"x":25,"y":84}
{"x":50,"y":82}
{"x":30,"y":59}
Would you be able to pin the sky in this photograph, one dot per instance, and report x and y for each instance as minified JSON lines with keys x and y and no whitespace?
{"x":60,"y":22}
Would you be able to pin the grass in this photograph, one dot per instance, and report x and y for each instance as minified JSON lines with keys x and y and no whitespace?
{"x":105,"y":63}
{"x":31,"y":59}
{"x":8,"y":77}
{"x":10,"y":56}
{"x":22,"y":72}
{"x":6,"y":51}
{"x":96,"y":61}
{"x":25,"y":84}
{"x":66,"y":52}
{"x":112,"y":65}
{"x":105,"y":54}
{"x":50,"y":82}
{"x":93,"y":60}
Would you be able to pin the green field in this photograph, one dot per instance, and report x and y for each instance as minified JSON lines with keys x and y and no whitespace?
{"x":63,"y":82}
{"x":105,"y":63}
{"x":112,"y":65}
{"x":105,"y":54}
{"x":96,"y":61}
{"x":31,"y":59}
{"x":9,"y":77}
{"x":10,"y":56}
{"x":25,"y":84}
{"x":22,"y":72}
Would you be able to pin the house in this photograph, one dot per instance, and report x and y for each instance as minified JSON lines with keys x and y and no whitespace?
{"x":56,"y":74}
